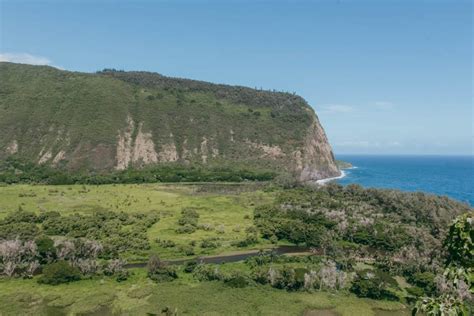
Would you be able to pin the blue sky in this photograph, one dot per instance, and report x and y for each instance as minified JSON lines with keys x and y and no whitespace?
{"x":385,"y":77}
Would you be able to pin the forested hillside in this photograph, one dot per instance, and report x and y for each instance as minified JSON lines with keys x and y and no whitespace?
{"x":114,"y":120}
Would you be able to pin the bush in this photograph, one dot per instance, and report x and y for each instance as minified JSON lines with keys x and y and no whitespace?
{"x":159,"y":271}
{"x":207,"y":272}
{"x":250,"y":239}
{"x":415,"y":291}
{"x":122,"y":275}
{"x":59,"y":272}
{"x":374,"y":284}
{"x":188,"y":250}
{"x":46,"y":249}
{"x":189,"y":212}
{"x":210,"y":243}
{"x":166,"y":243}
{"x":188,"y":221}
{"x":424,"y":280}
{"x":190,"y":266}
{"x":238,"y":281}
{"x":186,"y":229}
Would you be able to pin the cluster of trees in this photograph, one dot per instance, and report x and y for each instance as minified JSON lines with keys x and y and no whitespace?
{"x":382,"y":224}
{"x":375,"y":284}
{"x":159,"y":271}
{"x":326,"y":277}
{"x":61,"y":260}
{"x":397,"y":232}
{"x":454,"y":293}
{"x":278,"y":271}
{"x":117,"y":232}
{"x":188,"y":221}
{"x":14,"y":170}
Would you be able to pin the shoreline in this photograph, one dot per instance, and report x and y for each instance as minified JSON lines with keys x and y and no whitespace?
{"x":326,"y":180}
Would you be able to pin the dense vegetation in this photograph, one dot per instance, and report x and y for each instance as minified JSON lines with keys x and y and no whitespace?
{"x":13,"y":170}
{"x":362,"y":241}
{"x":363,"y":221}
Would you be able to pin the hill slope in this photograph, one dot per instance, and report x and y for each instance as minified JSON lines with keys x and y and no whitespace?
{"x":114,"y":120}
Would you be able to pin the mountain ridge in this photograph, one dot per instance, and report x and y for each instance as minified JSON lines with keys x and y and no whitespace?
{"x":114,"y":120}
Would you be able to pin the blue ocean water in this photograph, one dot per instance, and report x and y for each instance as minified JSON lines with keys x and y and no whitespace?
{"x":452,"y":176}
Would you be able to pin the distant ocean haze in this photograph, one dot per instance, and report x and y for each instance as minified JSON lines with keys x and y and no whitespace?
{"x":452,"y":176}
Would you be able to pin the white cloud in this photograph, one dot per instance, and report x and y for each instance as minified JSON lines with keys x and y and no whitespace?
{"x":336,"y":108}
{"x":384,"y":105}
{"x":24,"y":58}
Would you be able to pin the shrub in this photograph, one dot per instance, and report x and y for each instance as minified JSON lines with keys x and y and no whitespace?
{"x":59,"y":272}
{"x":46,"y":249}
{"x":299,"y":278}
{"x":424,"y":280}
{"x":188,"y":250}
{"x":207,"y":272}
{"x":159,"y":271}
{"x":210,"y":243}
{"x":122,"y":275}
{"x":166,"y":243}
{"x":190,"y":266}
{"x":250,"y":239}
{"x":260,"y":275}
{"x":188,"y":221}
{"x":189,"y":212}
{"x":238,"y":280}
{"x":186,"y":229}
{"x":415,"y":291}
{"x":114,"y":267}
{"x":374,"y":284}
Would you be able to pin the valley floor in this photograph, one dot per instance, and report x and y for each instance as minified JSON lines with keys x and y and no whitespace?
{"x":228,"y":209}
{"x":141,"y":296}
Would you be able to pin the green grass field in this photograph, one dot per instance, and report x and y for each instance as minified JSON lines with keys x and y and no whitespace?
{"x":139,"y":296}
{"x":225,"y":207}
{"x":230,"y":205}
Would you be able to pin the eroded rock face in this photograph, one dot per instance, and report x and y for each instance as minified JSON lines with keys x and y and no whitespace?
{"x":136,"y":146}
{"x":317,"y":159}
{"x":139,"y":149}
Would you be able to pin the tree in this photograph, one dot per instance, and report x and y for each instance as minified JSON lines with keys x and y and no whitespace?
{"x":455,"y":285}
{"x":159,"y":271}
{"x":17,"y":256}
{"x":59,"y":272}
{"x":46,"y":249}
{"x":460,"y":241}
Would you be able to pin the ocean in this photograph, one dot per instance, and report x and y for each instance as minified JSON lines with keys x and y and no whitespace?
{"x":452,"y":176}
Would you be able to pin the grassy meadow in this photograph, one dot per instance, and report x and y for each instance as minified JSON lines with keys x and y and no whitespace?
{"x":139,"y":296}
{"x":227,"y":208}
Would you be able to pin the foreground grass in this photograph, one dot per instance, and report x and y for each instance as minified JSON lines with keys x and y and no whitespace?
{"x":139,"y":296}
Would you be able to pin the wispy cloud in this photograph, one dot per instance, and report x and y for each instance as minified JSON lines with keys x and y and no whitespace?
{"x":25,"y":58}
{"x":336,"y":108}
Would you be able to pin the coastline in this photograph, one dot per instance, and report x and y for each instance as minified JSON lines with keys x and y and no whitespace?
{"x":326,"y":180}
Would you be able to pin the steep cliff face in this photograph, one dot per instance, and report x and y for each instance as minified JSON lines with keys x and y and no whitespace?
{"x":116,"y":120}
{"x":318,"y":159}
